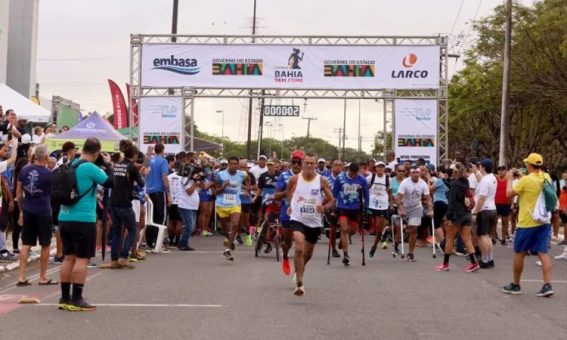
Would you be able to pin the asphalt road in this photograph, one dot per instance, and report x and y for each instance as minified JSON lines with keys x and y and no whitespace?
{"x":199,"y":295}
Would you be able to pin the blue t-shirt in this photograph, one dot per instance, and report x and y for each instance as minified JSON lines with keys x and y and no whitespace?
{"x":281,"y":186}
{"x":441,"y":190}
{"x":36,"y":185}
{"x":325,"y":173}
{"x":158,"y":168}
{"x":230,"y":196}
{"x":87,"y":175}
{"x":331,"y":179}
{"x":395,"y":186}
{"x":347,"y":191}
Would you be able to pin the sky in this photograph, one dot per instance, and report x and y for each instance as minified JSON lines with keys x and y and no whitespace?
{"x":82,"y":43}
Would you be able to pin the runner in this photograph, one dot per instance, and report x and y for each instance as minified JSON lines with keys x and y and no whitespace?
{"x":305,"y":196}
{"x":411,"y":192}
{"x":246,"y":203}
{"x":281,"y":195}
{"x":400,"y":175}
{"x":331,"y":216}
{"x":321,"y":168}
{"x":485,"y":213}
{"x":440,"y":190}
{"x":351,"y":192}
{"x":531,"y":236}
{"x":228,"y":185}
{"x":266,"y":193}
{"x":379,"y":203}
{"x":459,"y":219}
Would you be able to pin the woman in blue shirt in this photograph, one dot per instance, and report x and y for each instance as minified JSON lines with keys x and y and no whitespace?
{"x":440,"y":189}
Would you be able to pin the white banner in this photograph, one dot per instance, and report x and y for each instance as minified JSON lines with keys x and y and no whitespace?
{"x":161,"y":121}
{"x":290,"y":67}
{"x":416,"y":130}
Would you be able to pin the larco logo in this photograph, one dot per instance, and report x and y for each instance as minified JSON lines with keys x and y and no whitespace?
{"x":186,"y":66}
{"x":408,"y":62}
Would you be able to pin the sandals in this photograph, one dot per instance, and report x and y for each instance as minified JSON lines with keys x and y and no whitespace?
{"x":23,"y":283}
{"x":49,"y":282}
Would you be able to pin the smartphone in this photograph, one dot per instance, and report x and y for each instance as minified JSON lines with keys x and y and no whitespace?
{"x":10,"y":136}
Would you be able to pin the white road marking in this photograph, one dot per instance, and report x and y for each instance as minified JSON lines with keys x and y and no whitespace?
{"x":541,"y":281}
{"x":152,"y":305}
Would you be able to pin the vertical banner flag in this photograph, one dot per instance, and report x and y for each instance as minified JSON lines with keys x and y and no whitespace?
{"x":119,"y":106}
{"x":161,"y":121}
{"x":416,"y":130}
{"x":134,"y":108}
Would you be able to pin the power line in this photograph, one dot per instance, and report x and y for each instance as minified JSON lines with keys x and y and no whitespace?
{"x":457,"y":17}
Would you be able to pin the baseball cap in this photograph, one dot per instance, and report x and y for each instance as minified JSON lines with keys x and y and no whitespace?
{"x":270,"y":162}
{"x":321,"y":160}
{"x":486,"y":163}
{"x":380,"y":163}
{"x":297,"y":154}
{"x":223,"y":161}
{"x":534,"y":159}
{"x":430,"y":167}
{"x":263,"y":157}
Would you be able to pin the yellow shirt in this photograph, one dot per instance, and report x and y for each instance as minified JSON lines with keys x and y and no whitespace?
{"x":528,"y":189}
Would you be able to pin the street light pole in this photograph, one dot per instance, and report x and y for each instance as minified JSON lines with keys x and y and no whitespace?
{"x":283,"y":140}
{"x":222,"y":122}
{"x":505,"y":118}
{"x":269,"y":126}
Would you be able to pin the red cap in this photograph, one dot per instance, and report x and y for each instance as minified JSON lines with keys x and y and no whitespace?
{"x":298,"y":154}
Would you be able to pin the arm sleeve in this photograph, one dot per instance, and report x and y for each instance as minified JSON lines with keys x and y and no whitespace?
{"x":261,"y":181}
{"x":521,"y":185}
{"x":96,"y":174}
{"x":280,"y":184}
{"x":337,"y":188}
{"x":163,"y":168}
{"x":426,"y":187}
{"x":483,"y":188}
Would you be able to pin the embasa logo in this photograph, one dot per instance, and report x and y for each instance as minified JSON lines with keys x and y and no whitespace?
{"x":178,"y":65}
{"x":409,"y":62}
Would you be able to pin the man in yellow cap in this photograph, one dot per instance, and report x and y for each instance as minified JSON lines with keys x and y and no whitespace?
{"x":532,"y":237}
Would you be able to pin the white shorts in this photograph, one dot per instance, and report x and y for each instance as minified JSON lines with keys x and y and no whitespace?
{"x":413,"y":216}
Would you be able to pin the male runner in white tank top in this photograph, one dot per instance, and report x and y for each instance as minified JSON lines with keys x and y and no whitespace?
{"x":306,"y":208}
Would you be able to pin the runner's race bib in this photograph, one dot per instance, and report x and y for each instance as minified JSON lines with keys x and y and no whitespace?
{"x":229,"y":199}
{"x":308,"y":209}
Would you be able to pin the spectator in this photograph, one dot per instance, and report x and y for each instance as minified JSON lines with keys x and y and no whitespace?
{"x":10,"y":125}
{"x":35,"y":213}
{"x":78,"y":230}
{"x":157,"y":184}
{"x":38,"y":135}
{"x":69,"y":151}
{"x":188,"y":204}
{"x":126,"y":177}
{"x":15,"y":211}
{"x":5,"y":255}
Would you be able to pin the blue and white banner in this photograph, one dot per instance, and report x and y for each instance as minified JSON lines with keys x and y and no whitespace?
{"x":415,"y":134}
{"x":161,"y":121}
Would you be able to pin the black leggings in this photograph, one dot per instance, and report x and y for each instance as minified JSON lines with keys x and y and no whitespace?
{"x":439,"y":212}
{"x":17,"y":229}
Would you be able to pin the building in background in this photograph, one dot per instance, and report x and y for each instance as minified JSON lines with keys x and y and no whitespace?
{"x":20,"y":68}
{"x":4,"y":29}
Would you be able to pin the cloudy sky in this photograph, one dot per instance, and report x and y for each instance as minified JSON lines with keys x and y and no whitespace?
{"x":82,"y":43}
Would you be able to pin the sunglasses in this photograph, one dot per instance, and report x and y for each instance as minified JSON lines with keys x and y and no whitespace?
{"x":296,"y":162}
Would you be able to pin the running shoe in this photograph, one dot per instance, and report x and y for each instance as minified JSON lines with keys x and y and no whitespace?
{"x":226,"y":243}
{"x":228,"y":255}
{"x":384,"y":245}
{"x":410,"y":258}
{"x":91,"y":265}
{"x":133,"y":259}
{"x":239,"y":240}
{"x":63,"y":304}
{"x":372,"y":251}
{"x":248,"y":241}
{"x":503,"y":242}
{"x":8,"y":257}
{"x":538,"y":263}
{"x":80,"y":306}
{"x":336,"y":253}
{"x":512,"y":288}
{"x":491,"y":263}
{"x":429,"y":239}
{"x":443,"y":267}
{"x":346,"y":260}
{"x":484,"y":265}
{"x":472,"y":267}
{"x":286,"y":268}
{"x":545,"y":291}
{"x":57,"y":260}
{"x":205,"y":233}
{"x":562,"y":256}
{"x":299,"y":289}
{"x":268,"y":248}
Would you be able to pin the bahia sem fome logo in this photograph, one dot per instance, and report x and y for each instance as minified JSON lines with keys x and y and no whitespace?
{"x":186,"y":66}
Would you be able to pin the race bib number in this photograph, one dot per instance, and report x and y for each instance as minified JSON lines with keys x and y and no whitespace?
{"x":307,"y":210}
{"x":351,"y":189}
{"x":229,"y":199}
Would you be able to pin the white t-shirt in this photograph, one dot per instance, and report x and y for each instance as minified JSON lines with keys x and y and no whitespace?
{"x":379,"y":199}
{"x":174,"y":187}
{"x":473,"y":183}
{"x":186,"y":201}
{"x":413,"y":192}
{"x":257,"y":171}
{"x":392,"y":165}
{"x":487,"y":188}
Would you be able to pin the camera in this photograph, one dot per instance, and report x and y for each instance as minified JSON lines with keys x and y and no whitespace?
{"x":191,"y":171}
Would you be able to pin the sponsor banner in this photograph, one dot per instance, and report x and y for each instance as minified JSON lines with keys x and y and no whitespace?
{"x":297,"y":67}
{"x":120,"y":119}
{"x":416,"y":130}
{"x":134,"y":107}
{"x":281,"y":111}
{"x":161,"y":121}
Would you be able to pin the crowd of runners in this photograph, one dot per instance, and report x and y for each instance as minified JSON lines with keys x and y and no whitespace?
{"x":453,"y":209}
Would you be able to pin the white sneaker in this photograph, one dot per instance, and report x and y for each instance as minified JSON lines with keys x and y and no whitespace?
{"x":562,"y":256}
{"x":538,"y":263}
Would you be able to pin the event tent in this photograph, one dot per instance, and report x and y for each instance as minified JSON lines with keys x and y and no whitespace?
{"x":92,"y":126}
{"x":24,"y":108}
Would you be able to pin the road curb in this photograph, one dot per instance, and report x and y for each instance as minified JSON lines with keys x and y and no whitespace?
{"x":15,"y":265}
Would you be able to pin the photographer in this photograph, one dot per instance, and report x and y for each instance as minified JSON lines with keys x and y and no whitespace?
{"x":188,"y":201}
{"x":126,"y":176}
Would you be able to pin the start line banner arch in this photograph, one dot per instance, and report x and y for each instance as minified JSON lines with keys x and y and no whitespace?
{"x":340,"y":67}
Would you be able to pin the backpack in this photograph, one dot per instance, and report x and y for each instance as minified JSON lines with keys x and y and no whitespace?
{"x":64,"y":189}
{"x":374,"y":177}
{"x":549,"y":195}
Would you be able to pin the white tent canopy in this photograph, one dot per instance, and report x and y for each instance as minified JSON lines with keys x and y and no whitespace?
{"x":24,"y":108}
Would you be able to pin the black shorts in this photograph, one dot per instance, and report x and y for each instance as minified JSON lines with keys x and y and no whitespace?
{"x":464,"y":221}
{"x":485,"y":220}
{"x":286,"y":225}
{"x":36,"y":228}
{"x":311,"y":234}
{"x":173,"y":213}
{"x":439,"y":212}
{"x":245,"y":208}
{"x":385,"y":214}
{"x":99,"y":213}
{"x":331,"y":218}
{"x":351,"y":214}
{"x":503,"y":210}
{"x":563,"y":216}
{"x":55,"y":208}
{"x":79,"y":238}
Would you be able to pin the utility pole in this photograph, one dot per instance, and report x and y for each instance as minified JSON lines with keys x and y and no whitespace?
{"x":174,"y":18}
{"x":340,"y":132}
{"x":249,"y":140}
{"x":309,"y":119}
{"x":281,"y":126}
{"x":261,"y":124}
{"x":359,"y":136}
{"x":344,"y":128}
{"x":505,"y":117}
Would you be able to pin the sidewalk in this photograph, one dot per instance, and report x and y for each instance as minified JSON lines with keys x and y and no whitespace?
{"x":34,"y":254}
